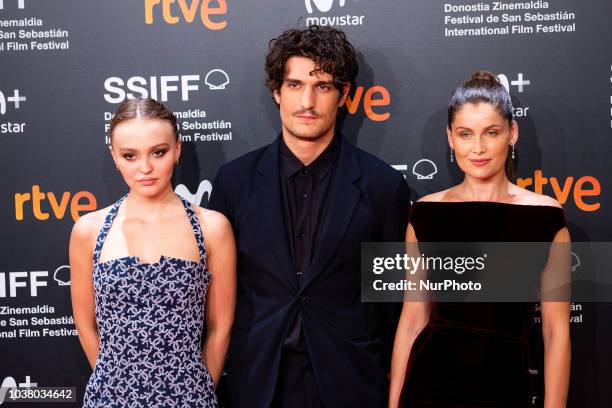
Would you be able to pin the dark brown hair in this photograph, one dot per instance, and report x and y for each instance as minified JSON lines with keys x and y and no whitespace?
{"x":326,"y":46}
{"x":484,"y":87}
{"x":142,"y":108}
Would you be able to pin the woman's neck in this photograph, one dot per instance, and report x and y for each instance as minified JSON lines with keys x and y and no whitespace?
{"x":150,"y":207}
{"x":496,"y":188}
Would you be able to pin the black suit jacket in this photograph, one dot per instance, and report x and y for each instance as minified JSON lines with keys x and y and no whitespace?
{"x":368,"y":201}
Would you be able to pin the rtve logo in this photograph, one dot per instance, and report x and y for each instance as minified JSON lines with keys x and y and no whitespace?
{"x":375,"y":97}
{"x":20,"y":4}
{"x":586,"y":186}
{"x":46,"y":205}
{"x":211,"y":13}
{"x":323,"y":5}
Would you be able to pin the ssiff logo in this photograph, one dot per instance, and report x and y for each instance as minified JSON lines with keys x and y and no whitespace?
{"x":61,"y":276}
{"x":216,"y":79}
{"x":162,"y":87}
{"x":423,"y":169}
{"x":212,"y":13}
{"x":14,"y":280}
{"x":19,"y":283}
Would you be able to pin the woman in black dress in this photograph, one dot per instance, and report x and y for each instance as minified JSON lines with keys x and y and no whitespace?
{"x":477,"y":354}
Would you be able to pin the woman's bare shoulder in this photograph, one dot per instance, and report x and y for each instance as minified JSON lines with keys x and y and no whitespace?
{"x":88,"y":226}
{"x":213,"y":221}
{"x":435,"y":197}
{"x":526,"y":197}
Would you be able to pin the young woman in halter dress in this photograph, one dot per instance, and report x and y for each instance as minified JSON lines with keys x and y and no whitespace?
{"x":144,"y":281}
{"x":477,"y":354}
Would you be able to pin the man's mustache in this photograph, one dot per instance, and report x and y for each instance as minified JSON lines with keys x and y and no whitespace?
{"x":310,"y":112}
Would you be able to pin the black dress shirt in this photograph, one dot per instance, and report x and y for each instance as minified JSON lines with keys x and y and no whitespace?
{"x":304,"y":190}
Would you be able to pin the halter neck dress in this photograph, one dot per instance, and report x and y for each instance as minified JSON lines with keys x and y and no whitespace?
{"x":150,"y":319}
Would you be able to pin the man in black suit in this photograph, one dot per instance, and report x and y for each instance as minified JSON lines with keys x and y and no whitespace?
{"x":300,"y":208}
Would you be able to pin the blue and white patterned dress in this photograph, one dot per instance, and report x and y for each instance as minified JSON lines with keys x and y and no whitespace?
{"x":150,"y":319}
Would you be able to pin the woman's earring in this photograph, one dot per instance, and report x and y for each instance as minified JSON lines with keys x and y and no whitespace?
{"x":513,"y":155}
{"x":176,"y":162}
{"x":452,"y":159}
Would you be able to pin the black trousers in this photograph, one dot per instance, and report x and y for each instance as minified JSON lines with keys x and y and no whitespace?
{"x":296,"y":386}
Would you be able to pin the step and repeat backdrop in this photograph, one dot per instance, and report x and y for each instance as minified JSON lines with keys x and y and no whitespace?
{"x":65,"y":65}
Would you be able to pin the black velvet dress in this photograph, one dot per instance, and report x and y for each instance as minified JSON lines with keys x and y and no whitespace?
{"x":475,"y":354}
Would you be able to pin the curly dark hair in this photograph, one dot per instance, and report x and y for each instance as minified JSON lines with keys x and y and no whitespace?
{"x":326,"y":46}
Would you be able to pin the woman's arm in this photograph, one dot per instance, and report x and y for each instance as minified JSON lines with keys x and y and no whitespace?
{"x":413,"y":319}
{"x":221,"y":298}
{"x":81,"y":287}
{"x":555,"y":331}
